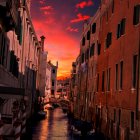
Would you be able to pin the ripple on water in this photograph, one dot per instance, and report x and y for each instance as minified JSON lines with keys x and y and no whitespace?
{"x":55,"y":127}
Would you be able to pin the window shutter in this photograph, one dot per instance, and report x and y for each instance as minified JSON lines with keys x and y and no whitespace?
{"x":83,"y":41}
{"x":87,"y":54}
{"x":118,"y":31}
{"x":109,"y":38}
{"x":20,"y":40}
{"x":88,"y":35}
{"x":112,"y":6}
{"x":99,"y":49}
{"x":136,"y":16}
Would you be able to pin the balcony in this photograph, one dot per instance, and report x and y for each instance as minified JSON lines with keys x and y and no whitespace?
{"x":9,"y":13}
{"x":7,"y":79}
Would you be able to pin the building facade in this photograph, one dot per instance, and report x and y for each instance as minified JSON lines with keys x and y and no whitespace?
{"x":63,"y":88}
{"x":108,"y":84}
{"x":42,"y":69}
{"x":48,"y":81}
{"x":19,"y":67}
{"x":53,"y":78}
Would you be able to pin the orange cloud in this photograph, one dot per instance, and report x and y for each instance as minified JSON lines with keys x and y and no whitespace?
{"x":72,"y":29}
{"x":84,"y":4}
{"x":80,"y":18}
{"x":61,"y":46}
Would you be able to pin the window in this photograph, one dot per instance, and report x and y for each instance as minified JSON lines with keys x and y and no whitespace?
{"x":83,"y":41}
{"x":20,"y":38}
{"x":14,"y":69}
{"x":121,"y":28}
{"x":118,"y":31}
{"x":97,"y":82}
{"x":108,"y":40}
{"x":116,"y":77}
{"x":134,"y":76}
{"x":132,"y":121}
{"x":19,"y":29}
{"x":119,"y":116}
{"x":103,"y":81}
{"x":88,"y":35}
{"x":3,"y":50}
{"x":108,"y":79}
{"x":112,"y":6}
{"x":96,"y":108}
{"x":92,"y":50}
{"x":99,"y":112}
{"x":52,"y":91}
{"x":121,"y":74}
{"x":136,"y":16}
{"x":93,"y":28}
{"x":52,"y":82}
{"x":99,"y":49}
{"x":23,"y":1}
{"x":114,"y":115}
{"x":53,"y":70}
{"x":119,"y":119}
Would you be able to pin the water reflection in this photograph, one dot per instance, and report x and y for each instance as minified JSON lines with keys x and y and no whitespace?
{"x":55,"y":127}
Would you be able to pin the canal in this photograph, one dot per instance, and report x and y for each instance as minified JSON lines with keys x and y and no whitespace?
{"x":56,"y":127}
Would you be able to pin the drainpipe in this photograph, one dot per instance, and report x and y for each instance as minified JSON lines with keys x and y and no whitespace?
{"x":138,"y":91}
{"x":138,"y":82}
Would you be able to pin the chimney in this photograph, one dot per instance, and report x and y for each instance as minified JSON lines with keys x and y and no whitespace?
{"x":57,"y":64}
{"x":49,"y":61}
{"x":42,"y":42}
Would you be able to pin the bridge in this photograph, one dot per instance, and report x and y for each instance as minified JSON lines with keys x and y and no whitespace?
{"x":63,"y":103}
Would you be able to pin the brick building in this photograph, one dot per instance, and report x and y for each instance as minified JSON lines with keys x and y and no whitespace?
{"x":109,"y":75}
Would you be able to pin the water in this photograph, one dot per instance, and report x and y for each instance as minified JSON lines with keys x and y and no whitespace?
{"x":56,"y":127}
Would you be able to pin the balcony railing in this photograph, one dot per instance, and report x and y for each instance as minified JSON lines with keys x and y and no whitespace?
{"x":7,"y":79}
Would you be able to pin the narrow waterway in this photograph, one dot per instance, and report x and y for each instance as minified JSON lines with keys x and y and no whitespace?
{"x":56,"y":127}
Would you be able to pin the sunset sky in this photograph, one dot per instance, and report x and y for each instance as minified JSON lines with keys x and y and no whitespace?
{"x":61,"y":22}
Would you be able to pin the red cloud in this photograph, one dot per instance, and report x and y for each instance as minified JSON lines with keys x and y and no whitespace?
{"x":80,"y":18}
{"x":46,"y":8}
{"x":72,"y":29}
{"x":84,"y":4}
{"x":47,"y":13}
{"x":42,"y":1}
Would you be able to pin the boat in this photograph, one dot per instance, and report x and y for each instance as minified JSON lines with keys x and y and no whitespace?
{"x":42,"y":114}
{"x":49,"y":107}
{"x":84,"y":127}
{"x":75,"y":131}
